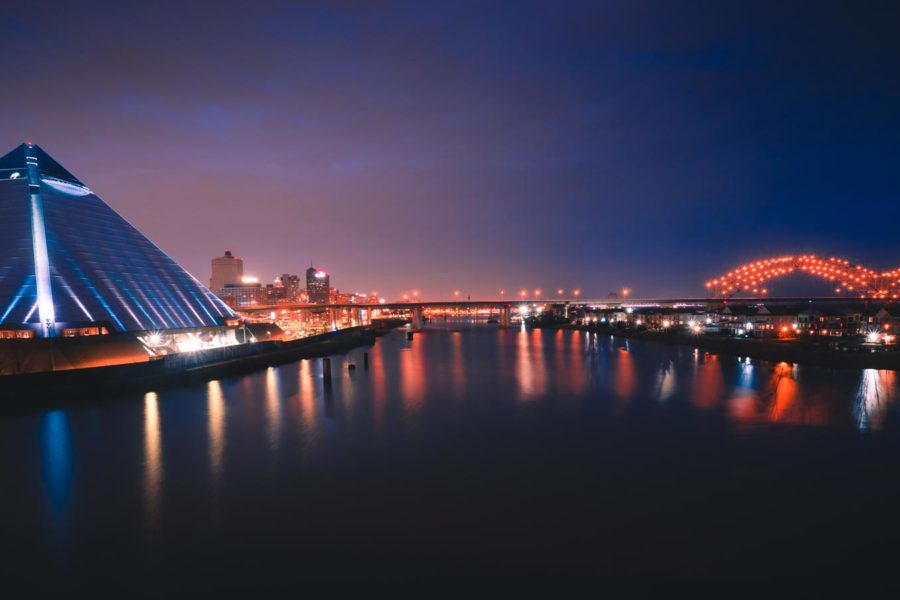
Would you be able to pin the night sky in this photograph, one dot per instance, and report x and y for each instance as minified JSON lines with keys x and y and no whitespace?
{"x":473,"y":145}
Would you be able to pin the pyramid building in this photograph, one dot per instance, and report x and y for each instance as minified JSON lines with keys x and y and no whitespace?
{"x":69,"y":261}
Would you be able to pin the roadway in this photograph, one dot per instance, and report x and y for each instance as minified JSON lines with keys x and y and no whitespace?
{"x":633,"y":302}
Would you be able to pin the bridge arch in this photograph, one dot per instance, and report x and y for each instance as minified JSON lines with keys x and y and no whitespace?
{"x":753,"y":277}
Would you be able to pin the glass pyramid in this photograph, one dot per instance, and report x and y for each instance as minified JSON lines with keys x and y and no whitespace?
{"x":67,"y":259}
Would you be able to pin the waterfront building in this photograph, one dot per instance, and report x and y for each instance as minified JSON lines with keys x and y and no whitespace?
{"x":887,"y":318}
{"x":72,"y":267}
{"x":833,"y":321}
{"x":318,"y":286}
{"x":762,"y":320}
{"x":71,"y":261}
{"x":226,"y":270}
{"x":776,"y":320}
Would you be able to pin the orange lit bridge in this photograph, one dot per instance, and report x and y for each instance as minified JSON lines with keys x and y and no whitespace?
{"x":856,"y":280}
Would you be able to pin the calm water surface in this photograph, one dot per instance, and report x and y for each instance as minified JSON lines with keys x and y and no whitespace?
{"x":469,"y":451}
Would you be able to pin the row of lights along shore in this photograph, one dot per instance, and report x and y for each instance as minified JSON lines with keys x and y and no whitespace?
{"x":537,"y":293}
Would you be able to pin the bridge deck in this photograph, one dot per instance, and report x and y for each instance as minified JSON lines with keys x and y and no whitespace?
{"x":635,"y":302}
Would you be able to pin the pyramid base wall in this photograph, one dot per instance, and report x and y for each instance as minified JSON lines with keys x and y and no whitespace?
{"x":40,"y":355}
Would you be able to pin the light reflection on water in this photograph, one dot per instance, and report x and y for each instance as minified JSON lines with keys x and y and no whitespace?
{"x":56,"y":453}
{"x":412,"y":373}
{"x":877,"y":390}
{"x":153,"y":463}
{"x":709,"y":382}
{"x":273,"y":406}
{"x":530,"y":370}
{"x":442,"y":375}
{"x":307,"y":395}
{"x":215,"y":411}
{"x":666,"y":381}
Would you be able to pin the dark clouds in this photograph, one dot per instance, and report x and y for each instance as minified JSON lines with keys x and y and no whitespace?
{"x":472,"y":145}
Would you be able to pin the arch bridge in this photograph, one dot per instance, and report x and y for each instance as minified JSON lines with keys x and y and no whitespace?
{"x":753,"y":277}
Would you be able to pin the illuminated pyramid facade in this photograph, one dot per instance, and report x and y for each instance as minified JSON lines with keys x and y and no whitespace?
{"x":69,"y":260}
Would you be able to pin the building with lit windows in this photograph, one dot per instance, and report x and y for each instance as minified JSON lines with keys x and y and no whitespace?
{"x":244,"y":294}
{"x":72,"y":267}
{"x":318,"y":286}
{"x":291,"y":285}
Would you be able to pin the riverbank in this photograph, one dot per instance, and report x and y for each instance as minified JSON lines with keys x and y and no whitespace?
{"x":772,"y":350}
{"x":65,"y":387}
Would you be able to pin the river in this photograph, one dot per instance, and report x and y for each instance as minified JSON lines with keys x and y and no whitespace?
{"x":468,"y":451}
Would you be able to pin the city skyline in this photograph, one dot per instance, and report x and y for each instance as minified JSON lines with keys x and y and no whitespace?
{"x":579,"y":293}
{"x":574,"y":146}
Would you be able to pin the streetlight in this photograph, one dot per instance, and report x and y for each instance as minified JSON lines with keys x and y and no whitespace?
{"x":559,"y":292}
{"x":626,"y":292}
{"x":576,"y":293}
{"x":537,"y":293}
{"x":523,"y":293}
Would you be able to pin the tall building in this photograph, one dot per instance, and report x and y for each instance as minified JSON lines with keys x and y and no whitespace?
{"x":226,"y":270}
{"x":291,"y":285}
{"x":70,"y":264}
{"x":318,"y":286}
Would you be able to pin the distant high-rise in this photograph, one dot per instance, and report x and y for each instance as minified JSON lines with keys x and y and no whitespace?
{"x":318,"y":285}
{"x":291,"y":285}
{"x":226,"y":270}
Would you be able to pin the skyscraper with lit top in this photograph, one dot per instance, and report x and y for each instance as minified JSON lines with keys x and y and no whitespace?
{"x":318,"y":285}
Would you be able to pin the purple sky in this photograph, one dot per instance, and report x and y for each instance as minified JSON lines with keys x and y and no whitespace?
{"x":472,"y":145}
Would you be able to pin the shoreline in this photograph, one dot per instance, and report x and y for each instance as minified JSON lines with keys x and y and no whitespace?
{"x":65,"y":388}
{"x":770,"y":350}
